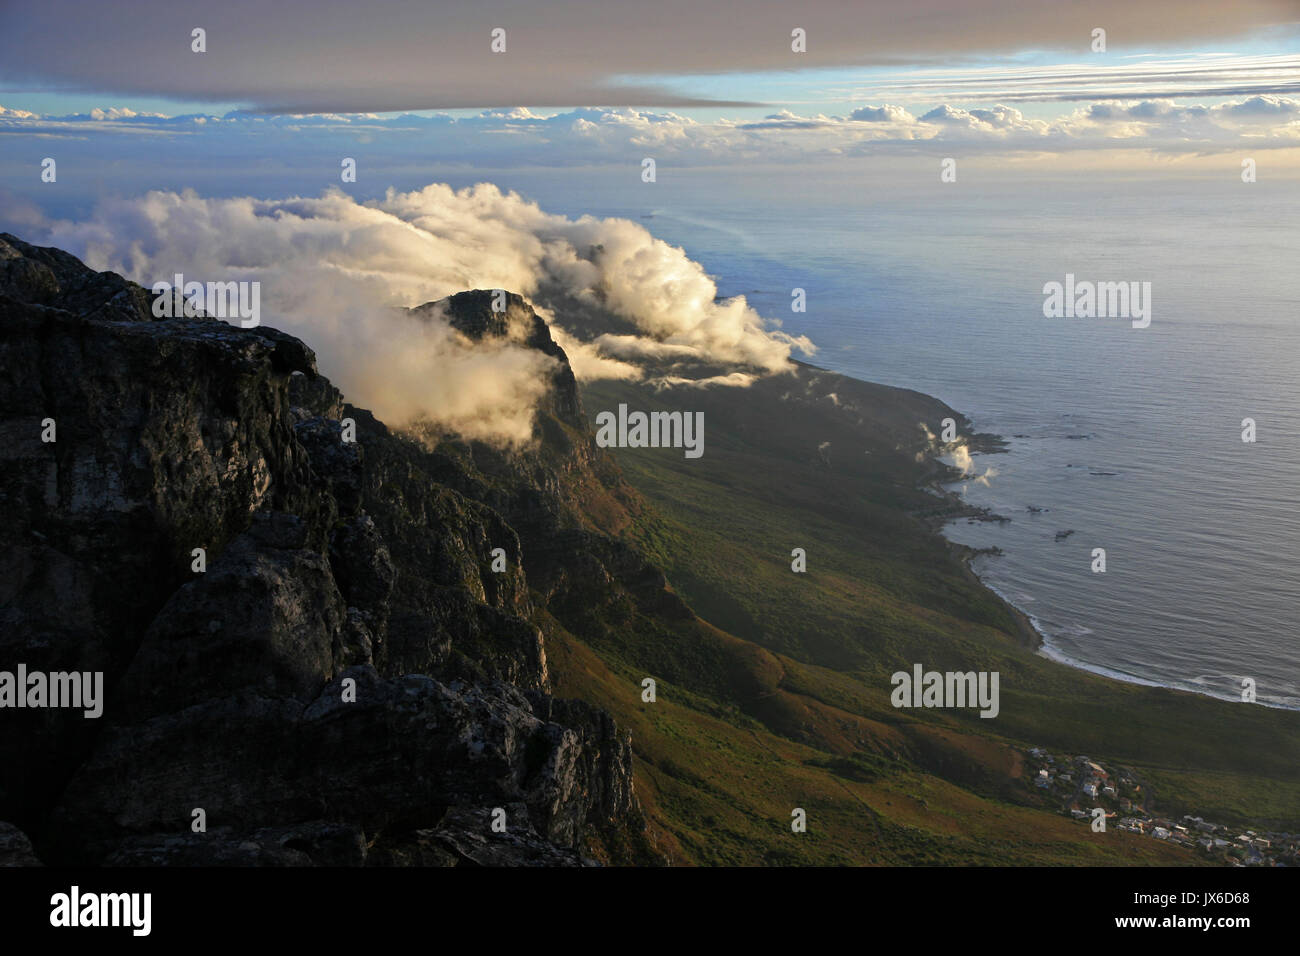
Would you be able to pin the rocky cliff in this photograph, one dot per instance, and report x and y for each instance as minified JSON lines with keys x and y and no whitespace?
{"x":347,"y":680}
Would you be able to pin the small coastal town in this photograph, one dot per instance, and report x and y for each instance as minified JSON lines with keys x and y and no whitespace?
{"x":1082,"y":784}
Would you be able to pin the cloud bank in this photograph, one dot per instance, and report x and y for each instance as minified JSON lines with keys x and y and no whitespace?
{"x":522,"y":137}
{"x":334,"y":272}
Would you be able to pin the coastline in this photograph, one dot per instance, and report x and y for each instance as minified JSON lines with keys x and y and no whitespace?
{"x":1028,"y":630}
{"x":1032,"y":633}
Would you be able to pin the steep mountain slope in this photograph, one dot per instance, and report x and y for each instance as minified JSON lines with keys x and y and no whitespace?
{"x":328,"y":564}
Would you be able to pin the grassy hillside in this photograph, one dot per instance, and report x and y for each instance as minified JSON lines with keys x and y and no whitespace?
{"x":779,"y":698}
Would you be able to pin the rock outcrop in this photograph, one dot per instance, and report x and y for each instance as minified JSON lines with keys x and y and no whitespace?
{"x":15,"y":848}
{"x":301,"y":637}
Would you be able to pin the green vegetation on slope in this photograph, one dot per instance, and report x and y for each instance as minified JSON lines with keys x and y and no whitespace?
{"x":781,"y":700}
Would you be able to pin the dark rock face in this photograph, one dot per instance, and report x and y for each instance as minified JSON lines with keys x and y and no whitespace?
{"x":403,"y":753}
{"x":349,"y":681}
{"x":316,"y":843}
{"x":563,"y":497}
{"x":266,"y":616}
{"x":472,"y":314}
{"x":15,"y":848}
{"x":46,"y":276}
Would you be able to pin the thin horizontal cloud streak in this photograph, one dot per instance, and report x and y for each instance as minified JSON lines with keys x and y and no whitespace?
{"x":1168,"y":77}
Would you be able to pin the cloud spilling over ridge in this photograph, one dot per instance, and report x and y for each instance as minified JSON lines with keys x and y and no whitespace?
{"x":333,"y":270}
{"x":588,"y":361}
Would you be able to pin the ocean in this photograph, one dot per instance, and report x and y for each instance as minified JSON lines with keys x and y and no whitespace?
{"x":1129,"y":439}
